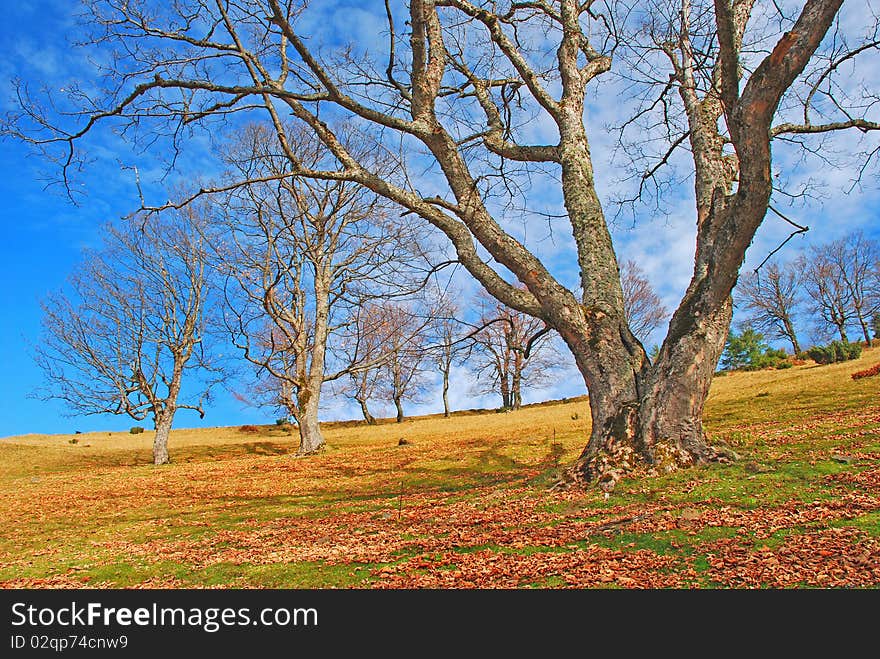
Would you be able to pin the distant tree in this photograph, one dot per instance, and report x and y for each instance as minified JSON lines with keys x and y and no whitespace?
{"x":644,"y":309}
{"x":856,"y":260}
{"x":133,"y":326}
{"x":512,"y":350}
{"x":829,"y":297}
{"x":449,"y":344}
{"x":365,"y":345}
{"x":749,"y":351}
{"x":403,"y":371}
{"x":772,"y":296}
{"x":875,"y":323}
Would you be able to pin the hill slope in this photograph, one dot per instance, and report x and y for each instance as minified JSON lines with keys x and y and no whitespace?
{"x":465,"y":503}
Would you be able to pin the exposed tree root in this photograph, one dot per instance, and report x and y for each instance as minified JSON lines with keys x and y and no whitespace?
{"x":618,"y":460}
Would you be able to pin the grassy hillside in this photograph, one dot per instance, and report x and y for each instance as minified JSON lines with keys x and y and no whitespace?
{"x":466,"y":502}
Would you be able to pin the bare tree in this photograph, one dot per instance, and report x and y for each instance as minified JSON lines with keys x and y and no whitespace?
{"x":133,"y":327}
{"x":772,"y":296}
{"x":450,"y":345}
{"x":644,"y":309}
{"x":856,"y":260}
{"x":367,"y":342}
{"x":512,"y":350}
{"x":405,"y":351}
{"x":830,"y":299}
{"x":460,"y":91}
{"x":301,"y":256}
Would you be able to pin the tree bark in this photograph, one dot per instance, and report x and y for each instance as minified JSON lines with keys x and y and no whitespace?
{"x":790,"y":333}
{"x":312,"y":371}
{"x":160,"y":442}
{"x":865,"y":331}
{"x":505,"y":391}
{"x":311,"y":440}
{"x":399,"y":405}
{"x":516,"y":391}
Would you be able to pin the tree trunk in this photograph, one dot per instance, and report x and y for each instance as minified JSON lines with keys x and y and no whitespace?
{"x":369,"y":418}
{"x":865,"y":332}
{"x":308,"y":395}
{"x":311,"y":440}
{"x":676,"y":392}
{"x":841,"y":328}
{"x":505,"y":391}
{"x":654,"y":416}
{"x":399,"y":405}
{"x":446,"y":392}
{"x":792,"y":336}
{"x":516,"y":392}
{"x":160,"y":442}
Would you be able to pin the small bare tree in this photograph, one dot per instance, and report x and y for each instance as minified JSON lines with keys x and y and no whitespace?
{"x":301,"y":256}
{"x":830,"y":299}
{"x":365,"y":344}
{"x":644,"y":309}
{"x":405,"y":351}
{"x":512,"y":350}
{"x":450,"y":345}
{"x":772,"y":296}
{"x":133,"y":326}
{"x":857,"y":261}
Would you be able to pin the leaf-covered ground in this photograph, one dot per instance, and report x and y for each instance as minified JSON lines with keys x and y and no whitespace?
{"x":467,"y":503}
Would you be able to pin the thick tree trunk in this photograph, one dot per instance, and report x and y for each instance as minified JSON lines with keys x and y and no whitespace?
{"x":399,"y":405}
{"x":654,"y":417}
{"x":311,"y":372}
{"x":160,"y":442}
{"x":516,"y":392}
{"x":369,"y":418}
{"x":841,"y":329}
{"x":676,"y":392}
{"x":311,"y":440}
{"x":505,"y":392}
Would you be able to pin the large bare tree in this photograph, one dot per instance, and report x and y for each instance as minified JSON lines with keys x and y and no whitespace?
{"x":772,"y":296}
{"x":301,"y":257}
{"x":133,"y":326}
{"x":481,"y":96}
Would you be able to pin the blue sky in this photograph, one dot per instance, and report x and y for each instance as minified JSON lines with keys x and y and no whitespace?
{"x":43,"y":234}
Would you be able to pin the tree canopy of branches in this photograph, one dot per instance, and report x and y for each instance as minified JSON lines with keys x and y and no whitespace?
{"x":459,"y":90}
{"x":302,"y":257}
{"x":772,"y":296}
{"x":391,"y":338}
{"x":133,"y":326}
